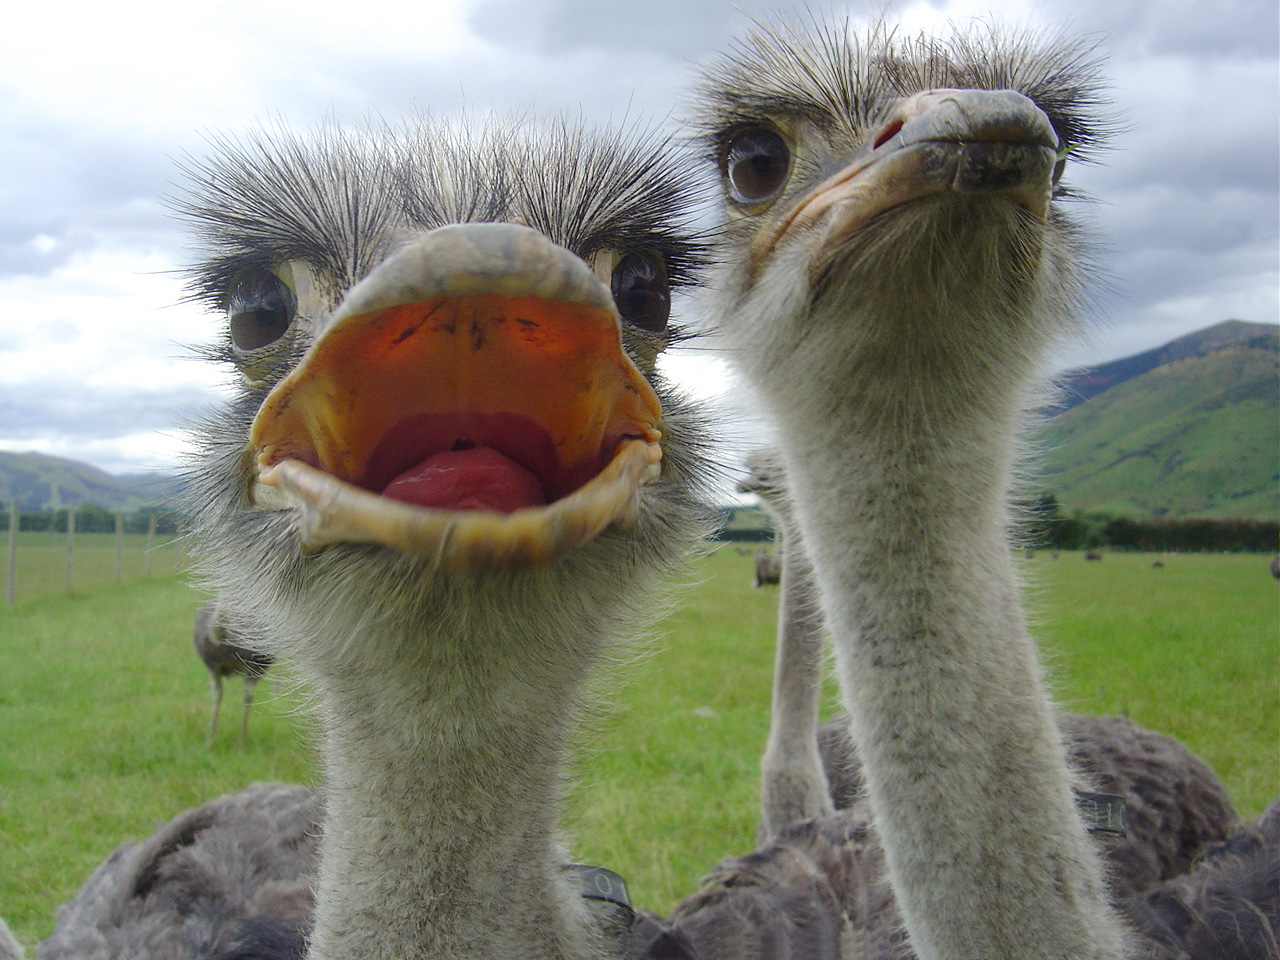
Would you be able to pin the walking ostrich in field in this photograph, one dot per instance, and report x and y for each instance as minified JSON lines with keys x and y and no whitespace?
{"x":898,"y":266}
{"x":215,"y":643}
{"x":769,"y":566}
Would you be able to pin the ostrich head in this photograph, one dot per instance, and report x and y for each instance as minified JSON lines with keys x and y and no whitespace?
{"x":436,"y":332}
{"x":765,"y":477}
{"x":910,"y":183}
{"x":449,"y":478}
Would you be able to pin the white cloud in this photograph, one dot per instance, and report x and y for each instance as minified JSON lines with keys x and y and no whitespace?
{"x":152,"y":64}
{"x":107,"y":318}
{"x":96,"y":102}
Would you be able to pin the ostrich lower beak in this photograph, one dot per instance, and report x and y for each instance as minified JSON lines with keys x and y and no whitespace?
{"x":470,"y":401}
{"x":962,"y":141}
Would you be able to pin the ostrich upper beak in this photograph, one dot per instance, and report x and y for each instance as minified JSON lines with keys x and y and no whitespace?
{"x":965,"y":141}
{"x":470,"y":401}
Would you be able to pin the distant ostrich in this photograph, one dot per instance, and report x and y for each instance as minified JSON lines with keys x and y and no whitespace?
{"x":896,"y":270}
{"x":448,"y":486}
{"x":1092,"y":555}
{"x":769,"y":567}
{"x":214,"y":639}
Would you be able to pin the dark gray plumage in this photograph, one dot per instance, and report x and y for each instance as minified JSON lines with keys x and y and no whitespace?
{"x":1176,"y":805}
{"x":215,"y":639}
{"x":181,"y":892}
{"x":1227,"y":906}
{"x":790,"y":897}
{"x":814,"y":890}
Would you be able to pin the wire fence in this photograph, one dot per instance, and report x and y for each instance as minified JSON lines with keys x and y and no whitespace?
{"x":49,"y":562}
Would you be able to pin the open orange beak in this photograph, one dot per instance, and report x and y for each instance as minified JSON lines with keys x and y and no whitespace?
{"x":469,"y":401}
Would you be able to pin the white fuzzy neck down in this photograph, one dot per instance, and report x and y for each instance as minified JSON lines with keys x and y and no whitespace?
{"x":444,"y":736}
{"x":440,"y":839}
{"x":793,"y":784}
{"x":446,"y":703}
{"x":899,"y":431}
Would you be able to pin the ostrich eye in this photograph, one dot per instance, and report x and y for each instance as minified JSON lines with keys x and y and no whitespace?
{"x":641,"y":291}
{"x":1061,"y":165}
{"x":260,"y":311}
{"x":756,"y":164}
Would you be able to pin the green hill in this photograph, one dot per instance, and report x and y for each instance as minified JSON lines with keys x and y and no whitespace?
{"x":1195,"y":437}
{"x":41,"y":482}
{"x":1087,"y":382}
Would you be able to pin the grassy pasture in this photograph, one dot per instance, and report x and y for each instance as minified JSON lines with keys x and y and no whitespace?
{"x":103,"y":708}
{"x":42,"y":560}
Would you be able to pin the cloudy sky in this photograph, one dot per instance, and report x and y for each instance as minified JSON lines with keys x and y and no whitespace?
{"x":98,"y":100}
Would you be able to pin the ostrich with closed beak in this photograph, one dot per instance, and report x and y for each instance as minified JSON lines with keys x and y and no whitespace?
{"x":897,"y":266}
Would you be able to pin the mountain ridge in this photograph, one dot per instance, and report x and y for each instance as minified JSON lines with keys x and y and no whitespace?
{"x":1188,"y":429}
{"x":1081,"y":384}
{"x":39,"y":481}
{"x":1197,"y":435}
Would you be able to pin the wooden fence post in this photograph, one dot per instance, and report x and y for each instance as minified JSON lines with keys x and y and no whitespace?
{"x":119,"y":541}
{"x":13,"y":551}
{"x":71,"y":546}
{"x":151,"y":535}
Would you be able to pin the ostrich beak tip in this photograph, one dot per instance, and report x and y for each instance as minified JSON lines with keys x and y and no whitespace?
{"x":332,"y":512}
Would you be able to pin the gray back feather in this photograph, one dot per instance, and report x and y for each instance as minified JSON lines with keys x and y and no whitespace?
{"x":177,"y":894}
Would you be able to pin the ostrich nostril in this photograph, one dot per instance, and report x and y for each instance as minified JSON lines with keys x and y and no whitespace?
{"x":888,"y":133}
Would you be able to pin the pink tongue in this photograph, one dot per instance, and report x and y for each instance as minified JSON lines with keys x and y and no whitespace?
{"x":478,"y":478}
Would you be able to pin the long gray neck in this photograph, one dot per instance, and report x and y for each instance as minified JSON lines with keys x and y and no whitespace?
{"x":900,"y":466}
{"x":443,"y":798}
{"x":793,"y":782}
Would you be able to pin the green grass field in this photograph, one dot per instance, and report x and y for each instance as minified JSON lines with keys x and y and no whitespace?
{"x":103,"y":707}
